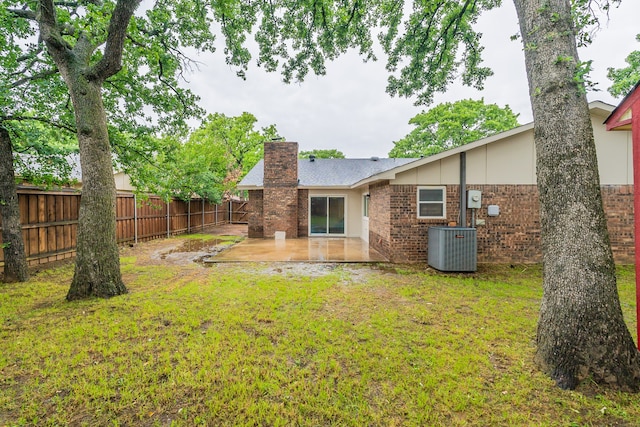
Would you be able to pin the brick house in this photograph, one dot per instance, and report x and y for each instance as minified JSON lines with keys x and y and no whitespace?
{"x":391,"y":203}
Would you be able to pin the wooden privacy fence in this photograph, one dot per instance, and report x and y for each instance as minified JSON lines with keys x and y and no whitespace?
{"x":50,"y":220}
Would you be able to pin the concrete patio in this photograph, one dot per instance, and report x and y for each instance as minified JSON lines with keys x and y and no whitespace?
{"x":311,"y":249}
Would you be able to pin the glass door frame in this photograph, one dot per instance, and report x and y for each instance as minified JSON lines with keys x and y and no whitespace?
{"x":327,"y":233}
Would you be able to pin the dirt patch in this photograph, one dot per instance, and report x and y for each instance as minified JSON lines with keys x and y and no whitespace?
{"x":185,"y":249}
{"x":350,"y":273}
{"x":197,"y":250}
{"x":299,"y":268}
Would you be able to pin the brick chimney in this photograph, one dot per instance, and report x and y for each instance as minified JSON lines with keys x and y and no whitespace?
{"x":280,"y":197}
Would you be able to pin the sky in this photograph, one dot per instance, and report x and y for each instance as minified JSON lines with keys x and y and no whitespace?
{"x":348,"y":108}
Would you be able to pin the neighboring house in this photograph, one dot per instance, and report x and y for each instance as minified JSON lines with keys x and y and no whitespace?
{"x":121,"y":179}
{"x":391,"y":203}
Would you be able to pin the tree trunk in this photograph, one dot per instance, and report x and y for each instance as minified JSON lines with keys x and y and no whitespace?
{"x":97,"y":271}
{"x":15,"y":259}
{"x":581,"y":331}
{"x":97,"y":267}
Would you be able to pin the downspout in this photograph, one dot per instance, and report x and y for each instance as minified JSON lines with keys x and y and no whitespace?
{"x":463,"y":189}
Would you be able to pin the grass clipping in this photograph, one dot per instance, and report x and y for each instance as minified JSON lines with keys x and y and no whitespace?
{"x":289,"y":344}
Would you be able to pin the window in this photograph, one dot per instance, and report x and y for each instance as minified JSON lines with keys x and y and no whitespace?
{"x":326,"y":215}
{"x":365,"y":205}
{"x":432,"y":202}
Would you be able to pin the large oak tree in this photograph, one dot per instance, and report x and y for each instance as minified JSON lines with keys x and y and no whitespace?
{"x":92,"y":42}
{"x":32,"y":111}
{"x":15,"y":259}
{"x":581,"y":332}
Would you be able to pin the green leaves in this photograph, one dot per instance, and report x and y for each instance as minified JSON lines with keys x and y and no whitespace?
{"x":44,"y":155}
{"x":585,"y":14}
{"x":209,"y":164}
{"x":296,"y":37}
{"x":322,"y":154}
{"x":427,"y":54}
{"x":450,"y":125}
{"x":624,"y":79}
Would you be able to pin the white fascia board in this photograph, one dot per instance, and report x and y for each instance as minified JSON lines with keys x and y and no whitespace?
{"x":391,"y":174}
{"x":324,"y":187}
{"x":595,"y":108}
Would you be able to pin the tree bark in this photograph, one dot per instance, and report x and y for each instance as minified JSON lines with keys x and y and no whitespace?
{"x":97,"y":268}
{"x":97,"y":265}
{"x":581,"y":331}
{"x":15,"y":258}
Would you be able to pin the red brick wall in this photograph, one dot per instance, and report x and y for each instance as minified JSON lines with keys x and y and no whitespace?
{"x":280,"y":164}
{"x":280,"y":197}
{"x":407,"y":241}
{"x":379,"y":218}
{"x":303,"y":213}
{"x":513,"y":236}
{"x":618,"y":205}
{"x":255,"y":218}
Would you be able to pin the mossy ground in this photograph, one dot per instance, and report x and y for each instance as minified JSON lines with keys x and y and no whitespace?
{"x":289,"y":344}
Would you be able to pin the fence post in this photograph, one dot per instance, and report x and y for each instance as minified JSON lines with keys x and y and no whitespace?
{"x":230,"y":212}
{"x":189,"y":217}
{"x":135,"y":219}
{"x":216,"y":217}
{"x":168,"y":220}
{"x":202,"y":214}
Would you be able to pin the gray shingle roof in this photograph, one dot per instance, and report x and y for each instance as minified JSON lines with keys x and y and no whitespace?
{"x":329,"y":172}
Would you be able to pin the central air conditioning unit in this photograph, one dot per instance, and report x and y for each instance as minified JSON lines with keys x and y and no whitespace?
{"x":453,"y":249}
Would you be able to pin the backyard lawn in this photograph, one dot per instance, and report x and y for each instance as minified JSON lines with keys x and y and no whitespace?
{"x":288,"y":344}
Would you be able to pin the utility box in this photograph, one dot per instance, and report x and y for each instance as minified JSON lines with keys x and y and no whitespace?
{"x":453,"y":249}
{"x":474,"y":199}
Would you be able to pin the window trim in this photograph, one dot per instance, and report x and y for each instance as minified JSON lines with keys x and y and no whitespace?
{"x":443,"y":202}
{"x":366,"y":202}
{"x":346,"y":210}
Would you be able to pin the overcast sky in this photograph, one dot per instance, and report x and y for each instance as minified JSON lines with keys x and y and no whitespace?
{"x":348,"y":108}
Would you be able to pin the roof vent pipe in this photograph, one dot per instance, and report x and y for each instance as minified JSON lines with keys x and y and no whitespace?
{"x":463,"y":189}
{"x":375,"y":159}
{"x":312,"y":158}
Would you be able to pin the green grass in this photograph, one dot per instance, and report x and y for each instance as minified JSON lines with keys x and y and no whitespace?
{"x":235,"y":344}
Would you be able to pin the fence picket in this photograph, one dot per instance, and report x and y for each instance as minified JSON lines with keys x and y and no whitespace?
{"x":50,"y":220}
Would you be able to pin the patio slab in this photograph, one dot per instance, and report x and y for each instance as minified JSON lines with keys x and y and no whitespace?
{"x":312,"y":249}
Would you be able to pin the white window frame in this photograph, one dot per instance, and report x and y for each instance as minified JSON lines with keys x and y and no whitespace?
{"x":346,"y":210}
{"x":366,"y":199}
{"x":443,"y":202}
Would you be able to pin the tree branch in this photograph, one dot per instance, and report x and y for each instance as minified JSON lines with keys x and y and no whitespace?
{"x":23,"y":13}
{"x":30,"y":54}
{"x":111,"y":61}
{"x":170,"y":86}
{"x":38,"y":119}
{"x":49,"y":32}
{"x":38,"y":76}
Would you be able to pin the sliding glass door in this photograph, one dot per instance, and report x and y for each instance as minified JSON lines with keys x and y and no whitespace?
{"x":326,"y":215}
